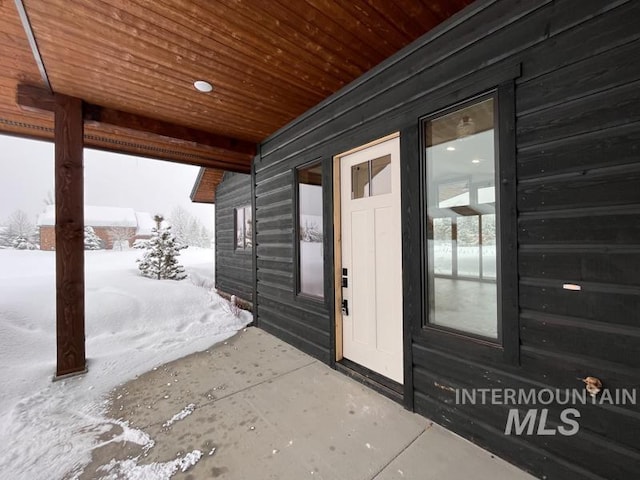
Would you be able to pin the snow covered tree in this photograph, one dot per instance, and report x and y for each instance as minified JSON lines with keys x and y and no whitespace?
{"x":179,"y":220}
{"x":91,"y":240}
{"x":188,"y":229}
{"x":311,"y":231}
{"x":23,"y":243}
{"x":205,"y":237}
{"x":160,"y":258}
{"x":48,"y":199}
{"x":120,"y":237}
{"x":19,"y":232}
{"x":4,"y":236}
{"x":193,"y":234}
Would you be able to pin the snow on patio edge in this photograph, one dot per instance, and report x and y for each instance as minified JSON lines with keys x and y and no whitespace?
{"x":133,"y":324}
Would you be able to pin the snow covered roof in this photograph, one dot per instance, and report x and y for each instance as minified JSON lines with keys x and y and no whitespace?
{"x":96,"y":217}
{"x":145,"y":223}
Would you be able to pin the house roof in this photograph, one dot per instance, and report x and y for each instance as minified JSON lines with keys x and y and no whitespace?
{"x":204,"y":188}
{"x":145,"y":223}
{"x":134,"y":64}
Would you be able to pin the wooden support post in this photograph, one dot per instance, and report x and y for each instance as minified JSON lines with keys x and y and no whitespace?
{"x":69,"y":183}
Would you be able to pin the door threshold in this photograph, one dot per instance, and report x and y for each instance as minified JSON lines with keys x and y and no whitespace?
{"x":375,"y":381}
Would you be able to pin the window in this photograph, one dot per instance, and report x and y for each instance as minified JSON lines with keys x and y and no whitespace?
{"x":244,"y":239}
{"x":309,"y":231}
{"x":462,"y":251}
{"x":371,"y":178}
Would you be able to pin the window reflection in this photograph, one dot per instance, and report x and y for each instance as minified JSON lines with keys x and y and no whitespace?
{"x":370,"y":178}
{"x":311,"y":254}
{"x":381,"y":175}
{"x":461,"y":263}
{"x":360,"y":180}
{"x":243,"y":233}
{"x":239,"y":228}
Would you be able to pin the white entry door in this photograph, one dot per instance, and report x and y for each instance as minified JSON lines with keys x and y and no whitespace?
{"x":372,"y":258}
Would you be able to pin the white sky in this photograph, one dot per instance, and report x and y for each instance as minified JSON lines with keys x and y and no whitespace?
{"x":26,"y":176}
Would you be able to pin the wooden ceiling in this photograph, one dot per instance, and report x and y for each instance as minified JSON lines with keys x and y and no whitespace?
{"x":269,"y":62}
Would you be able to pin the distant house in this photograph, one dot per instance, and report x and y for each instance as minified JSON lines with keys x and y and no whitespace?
{"x":114,"y":225}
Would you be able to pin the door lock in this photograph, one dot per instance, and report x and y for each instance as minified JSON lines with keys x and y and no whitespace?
{"x":345,"y":307}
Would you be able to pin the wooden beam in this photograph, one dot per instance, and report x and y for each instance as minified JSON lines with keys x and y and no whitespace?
{"x":101,"y":115}
{"x":35,"y":99}
{"x":237,"y":153}
{"x":69,"y":186}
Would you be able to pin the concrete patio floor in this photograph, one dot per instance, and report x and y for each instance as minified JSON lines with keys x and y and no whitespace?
{"x":272,"y":412}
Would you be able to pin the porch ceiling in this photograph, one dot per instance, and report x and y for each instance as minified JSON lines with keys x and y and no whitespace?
{"x":268,"y":62}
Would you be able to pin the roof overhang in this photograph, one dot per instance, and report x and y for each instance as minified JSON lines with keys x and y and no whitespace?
{"x":134,"y":64}
{"x":204,"y":188}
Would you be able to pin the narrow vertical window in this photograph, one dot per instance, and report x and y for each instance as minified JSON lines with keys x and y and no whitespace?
{"x":239,"y":228}
{"x":461,"y":160}
{"x":309,"y":229}
{"x":243,"y":224}
{"x":248,"y":232}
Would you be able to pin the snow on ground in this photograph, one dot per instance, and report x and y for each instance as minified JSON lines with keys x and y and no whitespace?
{"x":181,"y":415}
{"x":132,"y":325}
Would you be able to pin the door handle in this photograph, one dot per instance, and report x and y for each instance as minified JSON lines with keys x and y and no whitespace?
{"x":345,"y":307}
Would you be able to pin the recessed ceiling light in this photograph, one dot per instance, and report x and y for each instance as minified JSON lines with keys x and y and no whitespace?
{"x":475,"y":160}
{"x":203,"y":86}
{"x":451,"y":149}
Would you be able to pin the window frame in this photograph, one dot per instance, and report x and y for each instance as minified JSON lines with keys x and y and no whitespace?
{"x":506,"y":346}
{"x":245,"y":249}
{"x":297,"y":292}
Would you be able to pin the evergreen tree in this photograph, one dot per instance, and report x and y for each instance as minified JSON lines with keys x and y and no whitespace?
{"x":160,"y":258}
{"x":91,"y":240}
{"x":23,"y":243}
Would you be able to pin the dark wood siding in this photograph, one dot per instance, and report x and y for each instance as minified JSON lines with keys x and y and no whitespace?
{"x":576,"y":66}
{"x":301,"y":321}
{"x":234,"y":268}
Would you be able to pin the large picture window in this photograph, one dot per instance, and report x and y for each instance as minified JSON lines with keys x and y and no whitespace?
{"x":462,"y":250}
{"x":243,"y":233}
{"x":309,"y":231}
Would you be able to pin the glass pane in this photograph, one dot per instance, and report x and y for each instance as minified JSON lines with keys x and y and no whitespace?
{"x":469,"y":246}
{"x":381,"y":175}
{"x":487,"y":195}
{"x":442,"y":246}
{"x":489,"y":246}
{"x":360,"y":180}
{"x":248,"y":239}
{"x":239,"y":228}
{"x":460,"y":165}
{"x":453,"y":194}
{"x":311,"y":266}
